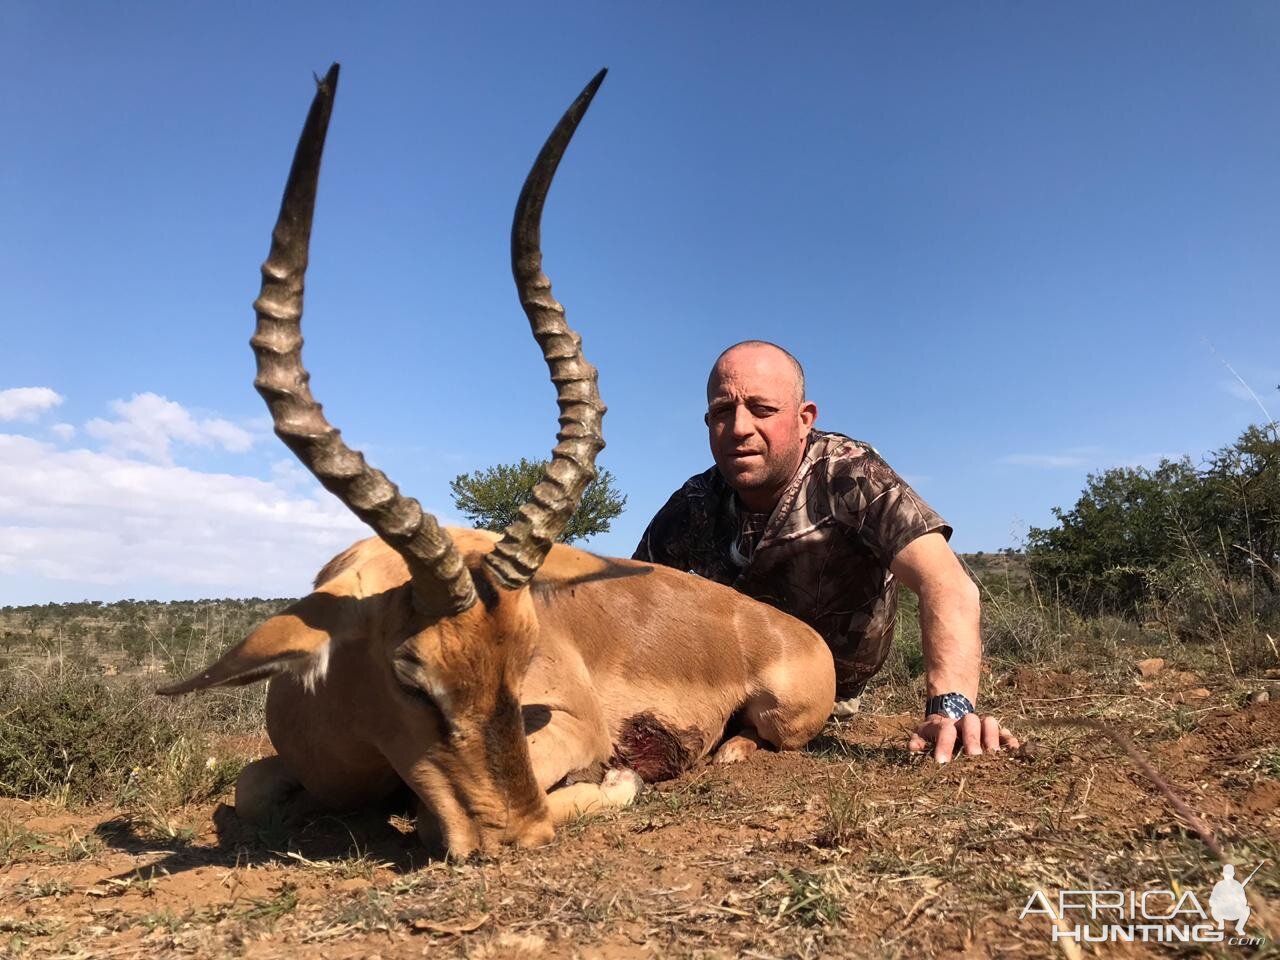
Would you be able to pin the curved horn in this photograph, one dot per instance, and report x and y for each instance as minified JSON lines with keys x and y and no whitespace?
{"x":440,"y":581}
{"x":527,"y":540}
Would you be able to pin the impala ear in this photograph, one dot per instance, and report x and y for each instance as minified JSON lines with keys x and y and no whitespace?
{"x":297,"y":638}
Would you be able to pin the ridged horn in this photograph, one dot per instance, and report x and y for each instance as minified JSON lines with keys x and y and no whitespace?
{"x":527,"y":540}
{"x":441,"y":583}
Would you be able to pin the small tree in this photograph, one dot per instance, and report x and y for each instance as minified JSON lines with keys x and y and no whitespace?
{"x":491,"y":498}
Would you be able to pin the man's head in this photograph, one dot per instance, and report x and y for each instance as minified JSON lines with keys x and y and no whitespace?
{"x":758,"y":419}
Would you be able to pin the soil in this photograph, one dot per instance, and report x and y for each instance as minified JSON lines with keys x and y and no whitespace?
{"x":852,"y":847}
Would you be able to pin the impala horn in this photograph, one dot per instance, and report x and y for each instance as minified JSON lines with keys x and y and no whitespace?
{"x":441,"y":583}
{"x":542,"y":519}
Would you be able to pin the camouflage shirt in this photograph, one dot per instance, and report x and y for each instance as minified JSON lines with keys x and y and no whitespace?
{"x":823,"y":555}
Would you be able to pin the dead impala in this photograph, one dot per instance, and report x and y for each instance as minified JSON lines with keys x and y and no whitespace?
{"x":510,"y":681}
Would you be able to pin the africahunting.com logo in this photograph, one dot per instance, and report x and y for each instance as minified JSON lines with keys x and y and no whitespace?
{"x":1148,"y":916}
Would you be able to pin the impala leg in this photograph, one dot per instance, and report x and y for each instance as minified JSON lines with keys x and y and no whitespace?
{"x":619,"y":788}
{"x":267,"y":789}
{"x":562,"y":743}
{"x":263,"y":788}
{"x":794,"y":702}
{"x":738,"y":747}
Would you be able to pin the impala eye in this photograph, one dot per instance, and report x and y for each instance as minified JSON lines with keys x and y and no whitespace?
{"x":415,"y":692}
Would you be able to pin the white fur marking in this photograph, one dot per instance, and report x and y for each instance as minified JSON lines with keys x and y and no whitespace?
{"x":313,"y":668}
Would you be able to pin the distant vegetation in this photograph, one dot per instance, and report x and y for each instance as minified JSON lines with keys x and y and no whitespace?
{"x":1192,"y":550}
{"x":175,"y":635}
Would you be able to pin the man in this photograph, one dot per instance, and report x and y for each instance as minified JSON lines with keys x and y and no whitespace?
{"x":1228,"y":901}
{"x":819,"y":526}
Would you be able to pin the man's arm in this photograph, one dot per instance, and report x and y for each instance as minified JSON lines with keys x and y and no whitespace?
{"x":664,"y":540}
{"x":951,"y":641}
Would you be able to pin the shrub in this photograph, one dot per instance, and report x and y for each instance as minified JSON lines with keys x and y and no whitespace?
{"x":75,"y":737}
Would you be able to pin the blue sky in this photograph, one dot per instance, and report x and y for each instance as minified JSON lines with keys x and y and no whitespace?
{"x":1011,"y":243}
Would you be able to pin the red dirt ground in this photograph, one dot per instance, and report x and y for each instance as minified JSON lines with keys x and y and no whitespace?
{"x":850,"y":848}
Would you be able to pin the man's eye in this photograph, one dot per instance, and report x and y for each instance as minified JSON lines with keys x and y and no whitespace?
{"x":760,"y":411}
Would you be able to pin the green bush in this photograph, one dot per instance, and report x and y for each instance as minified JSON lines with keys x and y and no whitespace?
{"x":74,"y":737}
{"x":1195,"y":549}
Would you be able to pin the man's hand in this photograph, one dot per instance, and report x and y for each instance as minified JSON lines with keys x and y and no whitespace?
{"x":976,"y":734}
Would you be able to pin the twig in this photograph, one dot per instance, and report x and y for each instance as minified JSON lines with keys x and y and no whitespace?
{"x":1085,"y":696}
{"x":1069,"y":947}
{"x":1201,"y":829}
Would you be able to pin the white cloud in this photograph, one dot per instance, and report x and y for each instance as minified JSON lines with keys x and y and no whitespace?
{"x":149,"y":425}
{"x":1048,"y":460}
{"x":1078,"y":458}
{"x":289,"y":474}
{"x":78,"y":515}
{"x":27,"y":403}
{"x":104,"y":524}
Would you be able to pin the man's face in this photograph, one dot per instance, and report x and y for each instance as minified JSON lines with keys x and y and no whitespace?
{"x":757,"y":423}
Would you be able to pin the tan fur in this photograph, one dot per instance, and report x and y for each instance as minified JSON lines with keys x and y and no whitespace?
{"x":598,"y":665}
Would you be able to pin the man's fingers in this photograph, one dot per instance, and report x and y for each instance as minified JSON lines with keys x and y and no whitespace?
{"x":924,"y":735}
{"x":945,"y":743}
{"x":974,"y":733}
{"x":971,"y":733}
{"x":990,"y":733}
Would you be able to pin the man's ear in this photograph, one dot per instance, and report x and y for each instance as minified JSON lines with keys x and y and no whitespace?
{"x":808,"y":413}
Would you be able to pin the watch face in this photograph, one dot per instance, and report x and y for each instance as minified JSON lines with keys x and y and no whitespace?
{"x":953,"y":705}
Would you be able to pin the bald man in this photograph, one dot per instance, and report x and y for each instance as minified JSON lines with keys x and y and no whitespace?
{"x":819,"y":526}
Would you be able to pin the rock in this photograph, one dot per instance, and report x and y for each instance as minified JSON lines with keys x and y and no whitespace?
{"x":1150,"y":667}
{"x":1259,"y":696}
{"x":1029,"y":750}
{"x":1192,"y":696}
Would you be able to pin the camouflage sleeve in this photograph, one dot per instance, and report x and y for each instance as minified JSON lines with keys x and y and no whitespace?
{"x":880,"y":507}
{"x":665,"y":540}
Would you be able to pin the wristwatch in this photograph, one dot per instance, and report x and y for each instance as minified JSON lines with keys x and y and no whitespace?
{"x":953,"y":705}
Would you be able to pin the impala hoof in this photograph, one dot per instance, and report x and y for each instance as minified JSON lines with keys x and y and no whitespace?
{"x":621,"y":786}
{"x":735,"y":750}
{"x":537,"y":836}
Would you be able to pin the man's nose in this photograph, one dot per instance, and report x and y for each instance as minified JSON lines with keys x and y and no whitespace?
{"x":742,"y":424}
